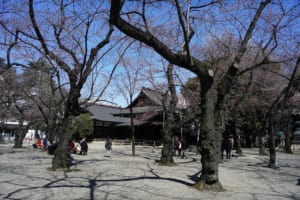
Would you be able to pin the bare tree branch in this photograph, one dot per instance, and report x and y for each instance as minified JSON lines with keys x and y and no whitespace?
{"x":182,"y":60}
{"x":228,"y":79}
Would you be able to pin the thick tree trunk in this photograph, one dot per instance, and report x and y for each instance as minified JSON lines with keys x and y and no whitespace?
{"x":168,"y":144}
{"x":168,"y":149}
{"x":132,"y":142}
{"x":20,"y":135}
{"x":62,"y":155}
{"x":1,"y":138}
{"x":237,"y":138}
{"x":61,"y":159}
{"x":51,"y":132}
{"x":287,"y":142}
{"x":272,"y":146}
{"x":210,"y":142}
{"x":287,"y":139}
{"x":169,"y":111}
{"x":238,"y":145}
{"x":52,"y":135}
{"x":261,"y":144}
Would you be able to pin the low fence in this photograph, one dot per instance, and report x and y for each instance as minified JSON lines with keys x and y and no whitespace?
{"x":138,"y":142}
{"x":191,"y":148}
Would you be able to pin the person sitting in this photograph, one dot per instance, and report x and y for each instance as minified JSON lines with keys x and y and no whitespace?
{"x":77,"y":148}
{"x":37,"y":144}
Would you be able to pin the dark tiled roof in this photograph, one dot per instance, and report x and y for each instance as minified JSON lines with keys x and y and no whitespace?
{"x":104,"y":113}
{"x":155,"y":96}
{"x":119,"y":116}
{"x":138,"y":110}
{"x":115,"y":116}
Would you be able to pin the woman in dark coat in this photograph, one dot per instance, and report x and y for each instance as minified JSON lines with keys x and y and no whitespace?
{"x":227,"y":146}
{"x":84,"y":147}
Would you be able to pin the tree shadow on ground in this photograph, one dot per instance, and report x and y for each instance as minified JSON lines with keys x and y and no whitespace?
{"x":187,"y":160}
{"x":195,"y":177}
{"x":262,"y":171}
{"x":148,"y":178}
{"x":92,"y":185}
{"x":77,"y":162}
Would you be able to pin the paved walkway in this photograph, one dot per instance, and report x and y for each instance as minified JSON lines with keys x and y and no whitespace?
{"x":24,"y":175}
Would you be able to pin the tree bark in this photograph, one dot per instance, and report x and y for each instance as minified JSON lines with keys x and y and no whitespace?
{"x":168,"y":145}
{"x":61,"y":159}
{"x":261,"y":142}
{"x":287,"y":142}
{"x":272,"y":146}
{"x":210,"y":142}
{"x":19,"y":139}
{"x":132,"y":130}
{"x":168,"y":149}
{"x":20,"y":135}
{"x":287,"y":138}
{"x":62,"y":155}
{"x":169,"y":111}
{"x":237,"y":139}
{"x":51,"y":132}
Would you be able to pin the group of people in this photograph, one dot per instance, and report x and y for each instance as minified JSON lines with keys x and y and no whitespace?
{"x":82,"y":147}
{"x":75,"y":147}
{"x":44,"y":145}
{"x":79,"y":148}
{"x":180,"y":147}
{"x":41,"y":144}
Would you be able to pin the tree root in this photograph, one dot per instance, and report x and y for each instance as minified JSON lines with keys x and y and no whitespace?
{"x":61,"y":169}
{"x":215,"y":187}
{"x":165,"y":163}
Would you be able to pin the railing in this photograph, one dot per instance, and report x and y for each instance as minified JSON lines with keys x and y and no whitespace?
{"x":138,"y":142}
{"x":191,"y":148}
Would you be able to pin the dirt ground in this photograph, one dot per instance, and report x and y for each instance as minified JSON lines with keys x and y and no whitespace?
{"x":24,"y":174}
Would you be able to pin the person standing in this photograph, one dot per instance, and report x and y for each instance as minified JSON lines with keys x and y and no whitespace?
{"x":45,"y":143}
{"x":183,"y":148}
{"x":84,"y":146}
{"x":229,"y":143}
{"x":108,"y":146}
{"x":226,"y":146}
{"x":178,"y":147}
